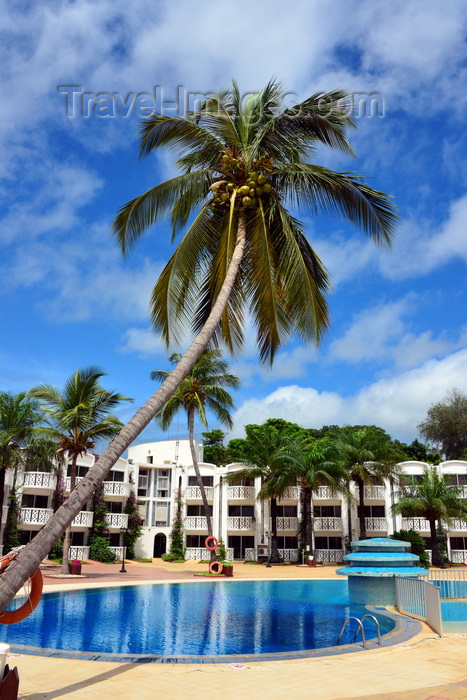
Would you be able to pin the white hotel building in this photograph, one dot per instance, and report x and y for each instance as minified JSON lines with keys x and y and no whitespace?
{"x":157,"y":470}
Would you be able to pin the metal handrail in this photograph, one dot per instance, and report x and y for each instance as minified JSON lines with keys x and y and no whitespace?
{"x":372,"y":617}
{"x":360,"y":627}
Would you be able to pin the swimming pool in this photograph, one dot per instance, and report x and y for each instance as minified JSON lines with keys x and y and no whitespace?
{"x":206,"y":618}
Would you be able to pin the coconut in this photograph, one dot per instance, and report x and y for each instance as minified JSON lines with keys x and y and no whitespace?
{"x":259,"y":191}
{"x":246,"y":201}
{"x":244,"y":189}
{"x":225,"y":197}
{"x":267,"y":188}
{"x":253,"y":176}
{"x":230,"y":186}
{"x":225,"y":158}
{"x":261,"y":179}
{"x":252,"y":192}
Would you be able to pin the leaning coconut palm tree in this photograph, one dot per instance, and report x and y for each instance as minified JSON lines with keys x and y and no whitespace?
{"x":435,"y":499}
{"x":203,"y":388}
{"x":241,"y":250}
{"x":77,"y":417}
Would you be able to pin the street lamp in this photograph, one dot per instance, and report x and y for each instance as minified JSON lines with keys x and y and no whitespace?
{"x":123,"y":530}
{"x":268,"y":535}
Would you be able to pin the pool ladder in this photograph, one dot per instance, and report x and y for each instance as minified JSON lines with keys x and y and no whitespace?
{"x":360,"y":627}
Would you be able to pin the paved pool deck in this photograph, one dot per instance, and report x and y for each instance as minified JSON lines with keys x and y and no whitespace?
{"x":424,"y":668}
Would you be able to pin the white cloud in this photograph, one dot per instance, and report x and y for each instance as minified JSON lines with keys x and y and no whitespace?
{"x":142,"y":341}
{"x":397,"y":404}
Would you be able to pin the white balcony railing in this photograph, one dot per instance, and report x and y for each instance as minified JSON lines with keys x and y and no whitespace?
{"x":288,"y":554}
{"x":333,"y":524}
{"x":68,"y":482}
{"x":196,"y":522}
{"x":193,"y":493}
{"x":289,"y":523}
{"x":116,"y":520}
{"x":118,"y":551}
{"x":336,"y":555}
{"x":41,"y":480}
{"x":111,"y":488}
{"x":374,"y":492}
{"x":79,"y":552}
{"x":245,"y":492}
{"x":250,"y":554}
{"x":290,"y":494}
{"x":376,"y":524}
{"x":459,"y":556}
{"x":35,"y":516}
{"x":83,"y":519}
{"x":418,"y":524}
{"x":240,"y":523}
{"x":324,"y":492}
{"x":200,"y":553}
{"x":458,"y":525}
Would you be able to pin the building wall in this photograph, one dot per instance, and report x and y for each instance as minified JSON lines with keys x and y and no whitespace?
{"x":157,"y":471}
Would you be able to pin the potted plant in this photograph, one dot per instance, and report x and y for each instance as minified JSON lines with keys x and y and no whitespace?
{"x":228,"y":568}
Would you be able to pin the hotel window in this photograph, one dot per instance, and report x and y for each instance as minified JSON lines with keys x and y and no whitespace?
{"x":328,"y":542}
{"x":195,"y":511}
{"x":240,"y":511}
{"x":207,"y":480}
{"x":161,"y":514}
{"x":327,"y":511}
{"x":286,"y":511}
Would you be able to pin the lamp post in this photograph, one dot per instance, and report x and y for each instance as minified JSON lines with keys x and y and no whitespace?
{"x":123,"y":530}
{"x":268,"y":535}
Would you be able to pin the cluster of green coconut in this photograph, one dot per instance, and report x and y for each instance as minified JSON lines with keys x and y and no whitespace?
{"x":248,"y":188}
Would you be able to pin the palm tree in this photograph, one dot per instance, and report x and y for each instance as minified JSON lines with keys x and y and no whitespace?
{"x":315,"y":463}
{"x":19,"y":417}
{"x":434,"y":499}
{"x":202,"y":388}
{"x":368,"y":454}
{"x":235,"y":251}
{"x":266,"y":449}
{"x":76,"y":418}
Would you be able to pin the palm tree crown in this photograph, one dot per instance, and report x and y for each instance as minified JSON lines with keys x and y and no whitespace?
{"x":436,"y":500}
{"x":242,"y":164}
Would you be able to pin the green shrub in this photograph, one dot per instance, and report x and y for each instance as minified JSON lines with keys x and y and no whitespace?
{"x":56,"y":552}
{"x":417,"y":545}
{"x":99,"y":550}
{"x":221,"y":550}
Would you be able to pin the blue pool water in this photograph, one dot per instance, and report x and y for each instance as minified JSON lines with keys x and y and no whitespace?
{"x":208,"y":618}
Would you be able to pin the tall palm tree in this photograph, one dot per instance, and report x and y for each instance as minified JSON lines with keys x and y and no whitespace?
{"x":366,"y":454}
{"x":203,"y":388}
{"x":265,"y":450}
{"x":436,"y":500}
{"x":19,"y":418}
{"x":77,"y":416}
{"x":235,"y":251}
{"x":315,"y":463}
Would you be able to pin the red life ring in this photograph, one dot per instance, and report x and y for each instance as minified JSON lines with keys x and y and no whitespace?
{"x":9,"y":617}
{"x":220,"y":567}
{"x":209,"y":539}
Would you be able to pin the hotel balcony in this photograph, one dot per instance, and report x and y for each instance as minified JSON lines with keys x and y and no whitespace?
{"x":193,"y":493}
{"x":290,"y":523}
{"x":115,"y":521}
{"x":290,"y":494}
{"x":246,"y":493}
{"x":39,"y":516}
{"x":328,"y":524}
{"x":240,"y":523}
{"x":39,"y":480}
{"x":375,"y":493}
{"x":376,"y":524}
{"x":417,"y":524}
{"x":113,"y":490}
{"x":325,"y":492}
{"x":196,"y":522}
{"x":335,"y":555}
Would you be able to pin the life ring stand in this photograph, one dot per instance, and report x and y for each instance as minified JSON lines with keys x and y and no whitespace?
{"x":10,"y":617}
{"x":209,"y":539}
{"x":220,"y":567}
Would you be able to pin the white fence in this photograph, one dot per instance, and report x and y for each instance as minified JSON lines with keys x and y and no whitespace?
{"x":336,"y":555}
{"x":420,"y":599}
{"x":452,"y":583}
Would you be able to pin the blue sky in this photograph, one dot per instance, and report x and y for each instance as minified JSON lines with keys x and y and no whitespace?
{"x":398,"y":340}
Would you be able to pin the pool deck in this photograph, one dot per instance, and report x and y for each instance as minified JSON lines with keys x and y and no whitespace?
{"x":424,"y":668}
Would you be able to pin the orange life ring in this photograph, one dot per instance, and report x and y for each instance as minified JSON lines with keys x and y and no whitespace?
{"x":7,"y":559}
{"x":9,"y":617}
{"x":218,"y":564}
{"x":209,"y":539}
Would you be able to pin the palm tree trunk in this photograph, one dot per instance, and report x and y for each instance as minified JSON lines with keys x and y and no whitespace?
{"x":31,"y":556}
{"x":436,"y":558}
{"x":2,"y":491}
{"x":309,"y":522}
{"x":67,"y":538}
{"x":207,"y":512}
{"x":274,"y":552}
{"x":361,"y":508}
